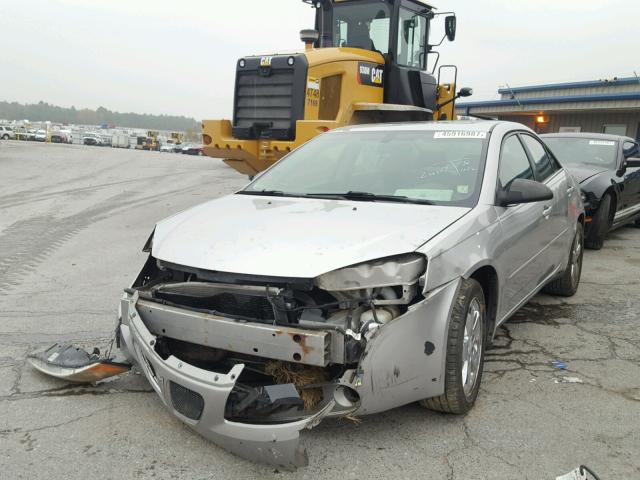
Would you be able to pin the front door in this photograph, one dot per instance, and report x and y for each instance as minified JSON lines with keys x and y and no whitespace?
{"x":525,"y":232}
{"x":630,"y":202}
{"x":555,"y":222}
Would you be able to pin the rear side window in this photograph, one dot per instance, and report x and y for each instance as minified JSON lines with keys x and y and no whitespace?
{"x":542,"y":164}
{"x":514,"y":162}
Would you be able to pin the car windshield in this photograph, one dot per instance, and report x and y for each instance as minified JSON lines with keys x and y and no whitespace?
{"x":581,"y":152}
{"x":439,"y":167}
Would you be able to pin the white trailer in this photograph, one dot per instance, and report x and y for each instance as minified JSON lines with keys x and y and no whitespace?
{"x":120,"y":140}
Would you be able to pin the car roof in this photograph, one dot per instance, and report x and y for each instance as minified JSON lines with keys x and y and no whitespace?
{"x":456,"y":125}
{"x":595,"y":136}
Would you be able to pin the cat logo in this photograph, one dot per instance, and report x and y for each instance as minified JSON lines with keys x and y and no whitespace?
{"x":370,"y":74}
{"x":376,"y":76}
{"x":265,"y":61}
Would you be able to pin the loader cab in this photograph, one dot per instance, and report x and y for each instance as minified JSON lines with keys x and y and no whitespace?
{"x":398,"y":29}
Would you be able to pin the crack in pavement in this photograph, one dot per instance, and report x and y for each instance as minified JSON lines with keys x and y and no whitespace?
{"x":15,"y":431}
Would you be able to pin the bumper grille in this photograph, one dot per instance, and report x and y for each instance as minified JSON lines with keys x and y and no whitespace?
{"x":186,"y":401}
{"x":231,"y":304}
{"x":248,"y":306}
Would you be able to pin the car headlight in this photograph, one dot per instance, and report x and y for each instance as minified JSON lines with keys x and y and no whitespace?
{"x":149,"y":243}
{"x":385,"y":272}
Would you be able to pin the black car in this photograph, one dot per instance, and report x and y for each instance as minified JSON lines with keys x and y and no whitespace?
{"x":608,"y":172}
{"x":191,"y":149}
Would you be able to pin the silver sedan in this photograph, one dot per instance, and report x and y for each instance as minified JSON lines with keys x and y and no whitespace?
{"x":368,"y":269}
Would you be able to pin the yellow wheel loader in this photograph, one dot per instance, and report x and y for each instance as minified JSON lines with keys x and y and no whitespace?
{"x":365,"y":62}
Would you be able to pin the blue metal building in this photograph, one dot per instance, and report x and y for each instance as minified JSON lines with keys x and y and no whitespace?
{"x":603,"y":106}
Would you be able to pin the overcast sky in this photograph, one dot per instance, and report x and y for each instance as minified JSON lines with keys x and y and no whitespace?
{"x":178,"y":57}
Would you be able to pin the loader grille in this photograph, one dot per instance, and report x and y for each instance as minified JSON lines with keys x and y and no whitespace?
{"x":269,"y":99}
{"x":186,"y":401}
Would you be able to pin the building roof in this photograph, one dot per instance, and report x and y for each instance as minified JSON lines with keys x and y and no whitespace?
{"x":601,"y":97}
{"x":572,"y":85}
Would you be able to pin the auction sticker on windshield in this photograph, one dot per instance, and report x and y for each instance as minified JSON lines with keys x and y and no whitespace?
{"x":607,"y":143}
{"x":460,"y":134}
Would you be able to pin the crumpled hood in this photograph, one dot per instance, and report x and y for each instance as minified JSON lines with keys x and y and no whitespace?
{"x":295,"y":237}
{"x":582,"y":174}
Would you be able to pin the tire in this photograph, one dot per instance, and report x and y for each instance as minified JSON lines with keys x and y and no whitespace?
{"x":567,"y":284}
{"x":5,"y":137}
{"x":600,"y":224}
{"x":460,"y":388}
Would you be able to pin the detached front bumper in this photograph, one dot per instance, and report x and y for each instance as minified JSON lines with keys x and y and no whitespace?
{"x":198,"y":397}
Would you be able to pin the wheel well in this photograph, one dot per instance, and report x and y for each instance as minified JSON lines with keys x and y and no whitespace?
{"x":487,"y":277}
{"x":614,"y":204}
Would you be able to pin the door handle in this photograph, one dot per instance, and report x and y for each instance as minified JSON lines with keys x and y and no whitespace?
{"x":570,"y":190}
{"x":547,"y":211}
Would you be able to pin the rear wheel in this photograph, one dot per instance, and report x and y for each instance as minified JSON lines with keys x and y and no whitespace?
{"x":5,"y":137}
{"x":567,"y":284}
{"x":465,"y":352}
{"x":600,"y":224}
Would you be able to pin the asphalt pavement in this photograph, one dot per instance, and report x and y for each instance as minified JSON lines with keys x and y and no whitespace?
{"x":73,"y":220}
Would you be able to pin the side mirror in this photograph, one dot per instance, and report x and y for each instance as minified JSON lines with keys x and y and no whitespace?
{"x":450,"y":27}
{"x":465,"y":92}
{"x":630,"y":149}
{"x":631,"y":163}
{"x":524,"y":191}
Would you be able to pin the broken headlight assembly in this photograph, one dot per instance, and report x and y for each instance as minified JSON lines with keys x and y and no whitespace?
{"x":389,"y":272}
{"x":376,"y":291}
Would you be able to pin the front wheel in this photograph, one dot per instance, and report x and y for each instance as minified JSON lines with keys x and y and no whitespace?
{"x":465,"y":352}
{"x":5,"y":137}
{"x":567,"y":284}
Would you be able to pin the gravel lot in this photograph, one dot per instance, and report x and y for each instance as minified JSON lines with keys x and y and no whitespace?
{"x":73,"y":220}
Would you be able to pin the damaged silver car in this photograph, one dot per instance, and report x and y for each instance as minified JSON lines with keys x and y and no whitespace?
{"x":366,"y":270}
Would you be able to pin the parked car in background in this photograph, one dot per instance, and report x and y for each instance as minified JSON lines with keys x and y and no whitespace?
{"x":168,"y":148}
{"x":21,"y":133}
{"x":192,"y":149}
{"x":7,"y":133}
{"x":59,"y":137}
{"x":40,"y":136}
{"x":310,"y":297}
{"x":609,"y":176}
{"x":92,"y":139}
{"x":68,"y":134}
{"x":31,"y":134}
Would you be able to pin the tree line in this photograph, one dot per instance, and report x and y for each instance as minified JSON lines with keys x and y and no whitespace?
{"x":42,"y":111}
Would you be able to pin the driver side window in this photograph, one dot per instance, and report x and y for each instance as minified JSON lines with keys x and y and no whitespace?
{"x":514,"y":162}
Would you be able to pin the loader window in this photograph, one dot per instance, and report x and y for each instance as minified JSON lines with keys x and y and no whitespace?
{"x":362,"y":25}
{"x":412,"y":31}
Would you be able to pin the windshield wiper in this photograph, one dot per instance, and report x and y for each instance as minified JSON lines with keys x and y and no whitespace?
{"x":373,"y":197}
{"x":266,"y":193}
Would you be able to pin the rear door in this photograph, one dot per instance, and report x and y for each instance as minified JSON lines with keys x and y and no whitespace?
{"x":525,"y":232}
{"x":555,"y":218}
